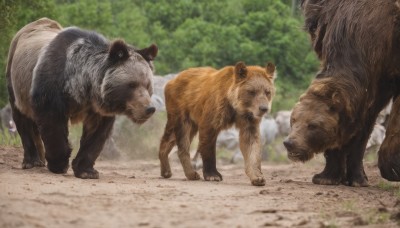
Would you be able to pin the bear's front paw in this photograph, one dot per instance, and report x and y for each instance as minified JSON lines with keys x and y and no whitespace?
{"x":88,"y":173}
{"x":58,"y":167}
{"x":166,"y":174}
{"x":212,"y":176}
{"x":192,"y":176}
{"x":30,"y":163}
{"x":323,"y":179}
{"x":258,"y":181}
{"x":357,"y":181}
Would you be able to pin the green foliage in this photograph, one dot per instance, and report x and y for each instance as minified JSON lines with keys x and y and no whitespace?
{"x":189,"y":33}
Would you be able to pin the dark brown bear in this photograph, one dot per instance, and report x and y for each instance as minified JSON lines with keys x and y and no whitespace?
{"x":57,"y":75}
{"x":358,"y":44}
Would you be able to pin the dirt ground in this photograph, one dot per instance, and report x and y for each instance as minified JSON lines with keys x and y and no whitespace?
{"x":132,"y":194}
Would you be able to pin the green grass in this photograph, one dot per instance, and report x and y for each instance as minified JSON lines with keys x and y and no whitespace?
{"x":390,"y":187}
{"x":7,"y":139}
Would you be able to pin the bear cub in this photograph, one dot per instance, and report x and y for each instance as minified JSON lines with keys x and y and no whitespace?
{"x":207,"y":100}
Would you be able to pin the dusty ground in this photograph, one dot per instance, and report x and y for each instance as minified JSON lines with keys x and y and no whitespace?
{"x":131,"y":194}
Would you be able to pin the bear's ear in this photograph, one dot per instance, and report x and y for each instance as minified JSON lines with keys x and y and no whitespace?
{"x":321,"y":88}
{"x":118,"y":51}
{"x":339,"y":103}
{"x":240,"y":70}
{"x":271,"y":70}
{"x":149,"y":53}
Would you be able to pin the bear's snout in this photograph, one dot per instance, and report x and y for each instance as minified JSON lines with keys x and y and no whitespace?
{"x":289,"y":145}
{"x":263,"y":108}
{"x":150,"y":110}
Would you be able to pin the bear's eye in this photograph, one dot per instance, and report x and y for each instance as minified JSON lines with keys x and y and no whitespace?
{"x":133,"y":84}
{"x":312,"y":126}
{"x":252,"y":92}
{"x":267,"y":93}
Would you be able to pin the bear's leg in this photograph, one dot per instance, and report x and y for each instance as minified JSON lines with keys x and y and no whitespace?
{"x":355,"y":173}
{"x":249,"y":139}
{"x":183,"y":137}
{"x":354,"y":150}
{"x":389,"y":152}
{"x":335,"y":169}
{"x":54,"y":133}
{"x":207,"y":145}
{"x":28,"y":132}
{"x":96,"y":130}
{"x":167,"y":143}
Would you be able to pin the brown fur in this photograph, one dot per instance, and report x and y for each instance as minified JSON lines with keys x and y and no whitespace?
{"x":358,"y":43}
{"x":209,"y":100}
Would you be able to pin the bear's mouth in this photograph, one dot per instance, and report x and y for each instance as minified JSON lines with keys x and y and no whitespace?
{"x":249,"y":116}
{"x":138,"y":119}
{"x":300,"y":155}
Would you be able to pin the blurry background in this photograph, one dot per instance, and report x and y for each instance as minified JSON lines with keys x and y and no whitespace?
{"x":188,"y":33}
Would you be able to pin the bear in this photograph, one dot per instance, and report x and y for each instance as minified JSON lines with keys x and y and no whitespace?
{"x":358,"y":45}
{"x":207,"y":100}
{"x":59,"y":75}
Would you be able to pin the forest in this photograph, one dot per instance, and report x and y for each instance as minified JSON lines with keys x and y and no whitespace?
{"x":188,"y":33}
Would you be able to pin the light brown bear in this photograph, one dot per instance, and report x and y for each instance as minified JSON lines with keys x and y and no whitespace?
{"x":207,"y":100}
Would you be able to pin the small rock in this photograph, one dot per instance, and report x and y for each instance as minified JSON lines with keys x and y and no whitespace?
{"x":358,"y":221}
{"x":302,"y":222}
{"x":319,"y":193}
{"x":264,"y":192}
{"x":269,"y":224}
{"x":286,"y":181}
{"x":382,"y":209}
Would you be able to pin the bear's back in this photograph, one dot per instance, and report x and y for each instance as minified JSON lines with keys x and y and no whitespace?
{"x":29,"y":42}
{"x":198,"y":89}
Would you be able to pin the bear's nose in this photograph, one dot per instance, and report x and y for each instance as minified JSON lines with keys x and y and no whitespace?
{"x":263,"y":108}
{"x":288,"y":144}
{"x":150,"y":110}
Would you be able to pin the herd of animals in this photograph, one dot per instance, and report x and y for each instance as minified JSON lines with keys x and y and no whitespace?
{"x":57,"y":76}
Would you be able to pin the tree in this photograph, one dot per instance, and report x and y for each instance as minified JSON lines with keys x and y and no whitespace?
{"x":14,"y":14}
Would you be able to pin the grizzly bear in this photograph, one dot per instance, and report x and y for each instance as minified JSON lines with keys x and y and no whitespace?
{"x":358,"y":44}
{"x":207,"y":100}
{"x":57,"y":75}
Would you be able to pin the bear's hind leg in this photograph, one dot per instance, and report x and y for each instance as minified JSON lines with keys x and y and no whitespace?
{"x":207,"y":144}
{"x":167,"y":143}
{"x":183,"y":137}
{"x":334,"y":171}
{"x":27,"y":130}
{"x":54,"y":133}
{"x":96,"y":130}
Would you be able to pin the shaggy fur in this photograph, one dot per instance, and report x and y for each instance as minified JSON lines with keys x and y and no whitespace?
{"x":207,"y":100}
{"x":55,"y":75}
{"x":358,"y":43}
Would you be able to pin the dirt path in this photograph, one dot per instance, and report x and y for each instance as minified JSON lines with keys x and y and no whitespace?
{"x":131,"y":194}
